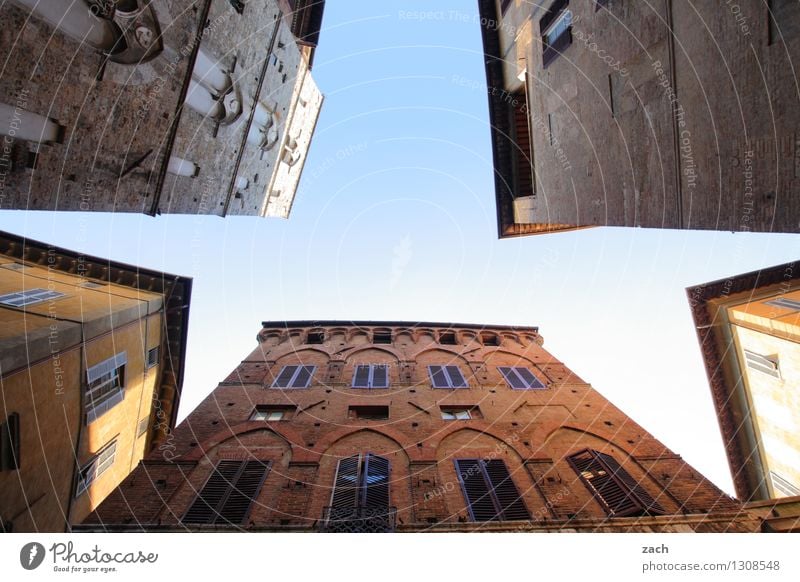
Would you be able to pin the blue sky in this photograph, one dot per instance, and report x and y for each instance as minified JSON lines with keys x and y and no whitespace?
{"x":395,"y":219}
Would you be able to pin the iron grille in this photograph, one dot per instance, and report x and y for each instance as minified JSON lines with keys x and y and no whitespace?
{"x":355,"y":519}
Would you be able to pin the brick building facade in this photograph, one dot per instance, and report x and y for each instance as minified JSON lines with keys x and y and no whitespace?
{"x":392,"y":426}
{"x":186,"y":106}
{"x":660,"y":115}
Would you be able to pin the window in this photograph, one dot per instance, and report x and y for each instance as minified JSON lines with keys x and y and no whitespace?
{"x":29,"y":297}
{"x":99,"y":464}
{"x":764,"y":364}
{"x":294,"y":377}
{"x":785,"y":303}
{"x":105,"y":386}
{"x":489,"y":491}
{"x":619,"y":494}
{"x":272,"y":413}
{"x":142,"y":428}
{"x":315,"y":337}
{"x":460,"y":412}
{"x":371,"y":376}
{"x":382,"y":337}
{"x":490,"y":339}
{"x":152,"y":357}
{"x":369,"y":412}
{"x":521,"y":378}
{"x":9,"y":443}
{"x":446,"y":377}
{"x":556,"y":29}
{"x":361,"y":488}
{"x":783,"y":486}
{"x":229,"y":493}
{"x":447,"y":338}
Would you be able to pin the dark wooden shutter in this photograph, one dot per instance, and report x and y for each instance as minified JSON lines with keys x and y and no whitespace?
{"x":617,"y":491}
{"x":361,"y":377}
{"x":285,"y":377}
{"x":228,"y":493}
{"x":476,"y":490}
{"x":508,"y":498}
{"x":345,"y":486}
{"x":628,"y":481}
{"x":456,"y":377}
{"x":438,"y":377}
{"x":511,"y":377}
{"x":236,"y":507}
{"x":531,"y":380}
{"x":380,"y":376}
{"x":303,"y":377}
{"x":375,"y":483}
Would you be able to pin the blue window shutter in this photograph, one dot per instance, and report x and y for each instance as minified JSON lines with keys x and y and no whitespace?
{"x":511,"y":377}
{"x":438,"y":377}
{"x":285,"y":376}
{"x":380,"y":376}
{"x":303,"y":377}
{"x":508,"y":498}
{"x":375,"y":482}
{"x":476,"y":490}
{"x":345,"y":485}
{"x":529,"y":379}
{"x":361,"y":376}
{"x":456,"y":377}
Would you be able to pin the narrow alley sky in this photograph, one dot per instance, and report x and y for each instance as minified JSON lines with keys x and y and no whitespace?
{"x":395,"y":219}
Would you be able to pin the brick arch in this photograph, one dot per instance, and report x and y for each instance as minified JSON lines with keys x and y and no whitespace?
{"x":381,"y":348}
{"x":292,"y":437}
{"x":602,"y":435}
{"x":290,"y":351}
{"x":490,"y":351}
{"x":477,"y":426}
{"x":440,"y":348}
{"x":331,"y":438}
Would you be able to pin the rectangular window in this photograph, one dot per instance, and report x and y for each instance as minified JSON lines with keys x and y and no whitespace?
{"x":783,"y":486}
{"x":382,"y":338}
{"x":152,"y":357}
{"x":369,"y":412}
{"x":521,"y":378}
{"x":99,"y":464}
{"x":360,"y":498}
{"x":229,"y":493}
{"x":29,"y":297}
{"x":447,"y":338}
{"x":785,"y":303}
{"x":489,"y":491}
{"x":615,"y":489}
{"x":371,"y":376}
{"x":460,"y":412}
{"x":105,"y":386}
{"x":556,"y":30}
{"x":447,"y":377}
{"x":269,"y":412}
{"x":764,"y":364}
{"x":315,"y":337}
{"x":9,"y":443}
{"x":142,"y":428}
{"x":294,"y":377}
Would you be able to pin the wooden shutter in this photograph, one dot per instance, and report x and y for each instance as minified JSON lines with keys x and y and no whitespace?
{"x":380,"y":376}
{"x":345,"y":486}
{"x":511,"y":377}
{"x":527,"y":376}
{"x":438,"y":377}
{"x":456,"y":377}
{"x":476,"y":490}
{"x":361,"y":377}
{"x":375,"y":482}
{"x":285,"y":377}
{"x":617,"y":491}
{"x":303,"y":377}
{"x":228,"y":493}
{"x":508,"y":498}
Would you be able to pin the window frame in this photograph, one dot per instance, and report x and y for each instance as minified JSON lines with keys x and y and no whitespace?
{"x":106,"y":378}
{"x":768,"y":365}
{"x":370,"y":377}
{"x":361,"y":487}
{"x":153,"y":357}
{"x":527,"y":385}
{"x":784,"y":303}
{"x":453,"y":411}
{"x":559,"y":10}
{"x":353,"y":411}
{"x":30,"y":297}
{"x":290,"y":384}
{"x":95,"y":467}
{"x":443,"y":369}
{"x":492,"y":485}
{"x":269,"y":410}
